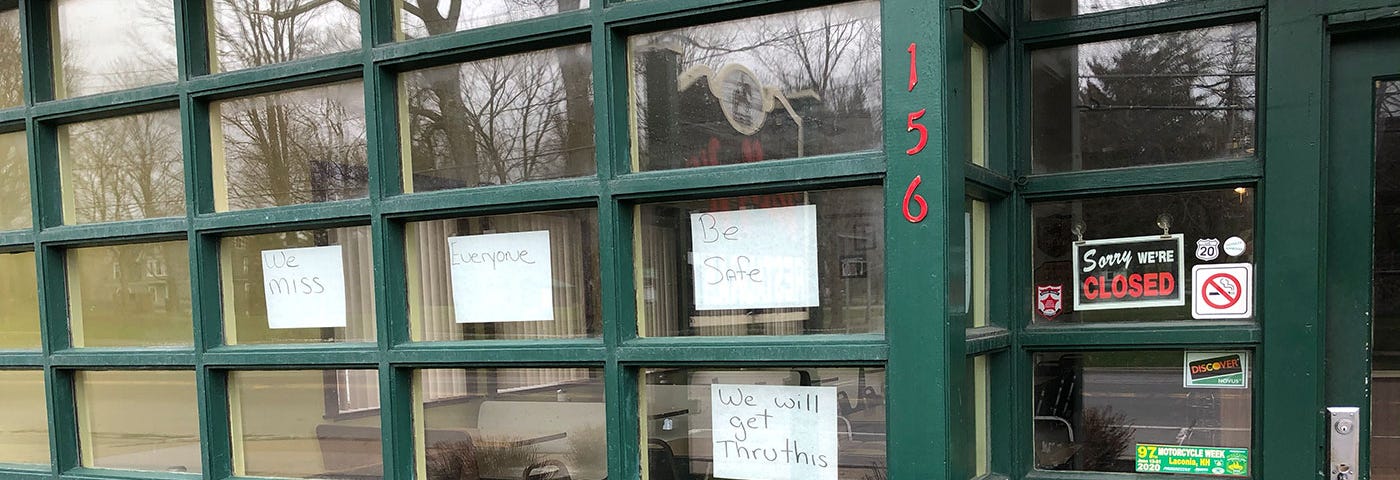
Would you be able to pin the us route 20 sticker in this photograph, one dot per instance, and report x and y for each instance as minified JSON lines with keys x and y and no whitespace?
{"x":1222,"y":291}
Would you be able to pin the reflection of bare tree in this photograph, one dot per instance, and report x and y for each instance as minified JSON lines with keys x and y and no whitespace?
{"x":15,"y":210}
{"x":421,"y":18}
{"x":263,"y":32}
{"x":124,"y":168}
{"x":11,"y":83}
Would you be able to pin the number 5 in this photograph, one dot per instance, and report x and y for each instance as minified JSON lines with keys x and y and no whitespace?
{"x":923,"y":132}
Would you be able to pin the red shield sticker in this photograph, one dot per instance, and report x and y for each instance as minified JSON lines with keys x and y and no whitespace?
{"x":1049,"y":300}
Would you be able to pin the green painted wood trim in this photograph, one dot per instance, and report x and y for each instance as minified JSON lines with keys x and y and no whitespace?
{"x":90,"y":107}
{"x":215,"y":440}
{"x":985,"y":340}
{"x":22,"y":359}
{"x":284,"y":357}
{"x":530,"y":196}
{"x":987,"y":185}
{"x":280,"y":76}
{"x":499,"y":352}
{"x":1052,"y":475}
{"x":26,"y":472}
{"x":299,"y":217}
{"x":1290,"y":358}
{"x":753,"y":350}
{"x":1164,"y":178}
{"x":9,"y":117}
{"x":774,"y":175}
{"x":17,"y":240}
{"x":526,"y":35}
{"x":63,"y":419}
{"x":122,"y":358}
{"x":1192,"y":334}
{"x":1181,"y":14}
{"x":654,"y":15}
{"x":84,"y":473}
{"x":158,"y":229}
{"x":1363,"y":19}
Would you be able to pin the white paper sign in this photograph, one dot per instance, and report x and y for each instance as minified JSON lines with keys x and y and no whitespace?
{"x":502,"y":277}
{"x":764,"y":258}
{"x":768,"y":432}
{"x":304,"y":287}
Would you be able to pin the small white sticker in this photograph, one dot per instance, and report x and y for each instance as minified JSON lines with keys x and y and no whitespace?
{"x":1234,"y":246}
{"x":304,"y":287}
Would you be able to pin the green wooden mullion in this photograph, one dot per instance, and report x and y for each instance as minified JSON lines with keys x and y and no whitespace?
{"x":8,"y":360}
{"x":499,"y":352}
{"x":215,"y":435}
{"x":1175,"y":15}
{"x":983,"y":340}
{"x":381,"y":107}
{"x":17,"y":240}
{"x":549,"y":31}
{"x":496,"y":199}
{"x":87,"y":358}
{"x":11,"y":116}
{"x":987,"y":185}
{"x":649,"y":16}
{"x":1148,"y":179}
{"x":396,"y":421}
{"x":117,"y":232}
{"x":296,"y":217}
{"x":993,"y":16}
{"x":280,"y":76}
{"x":284,"y":357}
{"x":1082,"y":475}
{"x":192,"y":38}
{"x":144,"y":99}
{"x":769,"y":176}
{"x":82,"y":473}
{"x":751,"y":350}
{"x":45,"y":177}
{"x":35,"y":42}
{"x":1157,"y":334}
{"x":63,"y":419}
{"x":22,"y":472}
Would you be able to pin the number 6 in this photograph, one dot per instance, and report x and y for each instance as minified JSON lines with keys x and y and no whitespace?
{"x":923,"y":206}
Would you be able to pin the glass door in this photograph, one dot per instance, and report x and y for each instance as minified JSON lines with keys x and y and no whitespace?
{"x":1363,"y":253}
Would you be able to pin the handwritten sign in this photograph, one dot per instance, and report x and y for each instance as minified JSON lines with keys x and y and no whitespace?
{"x":762,"y":258}
{"x":1134,"y":272}
{"x":769,"y":432}
{"x":304,"y":287}
{"x":502,"y":277}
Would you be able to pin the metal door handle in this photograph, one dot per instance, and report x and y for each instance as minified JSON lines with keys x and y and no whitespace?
{"x":1344,"y":441}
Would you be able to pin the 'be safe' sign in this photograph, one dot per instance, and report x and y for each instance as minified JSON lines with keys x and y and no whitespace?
{"x":1131,"y":272}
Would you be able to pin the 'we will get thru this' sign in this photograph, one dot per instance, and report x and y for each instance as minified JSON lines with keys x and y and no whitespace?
{"x":767,"y":432}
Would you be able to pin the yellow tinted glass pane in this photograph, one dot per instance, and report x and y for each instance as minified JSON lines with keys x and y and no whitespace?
{"x":976,"y":79}
{"x":11,"y":82}
{"x":146,"y":420}
{"x":15,"y":213}
{"x":135,"y":295}
{"x":981,"y":408}
{"x":19,"y":302}
{"x":249,"y":33}
{"x":122,"y":168}
{"x":306,"y":424}
{"x":507,"y":421}
{"x":451,"y":259}
{"x":24,"y":421}
{"x":289,"y":148}
{"x":106,"y":45}
{"x":282,"y":287}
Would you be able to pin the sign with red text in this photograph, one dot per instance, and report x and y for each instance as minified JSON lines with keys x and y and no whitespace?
{"x":760,"y":258}
{"x":304,"y":287}
{"x":773,"y":432}
{"x":502,"y":277}
{"x":1133,"y":272}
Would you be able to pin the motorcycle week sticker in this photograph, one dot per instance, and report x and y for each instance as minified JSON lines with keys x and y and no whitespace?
{"x":1226,"y":462}
{"x":1132,"y":272}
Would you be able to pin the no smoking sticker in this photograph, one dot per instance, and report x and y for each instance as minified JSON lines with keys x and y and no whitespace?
{"x":1222,"y":291}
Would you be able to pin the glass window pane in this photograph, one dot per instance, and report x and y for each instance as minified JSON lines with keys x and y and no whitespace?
{"x":1166,"y":98}
{"x":24,"y":418}
{"x":973,"y":294}
{"x":689,"y":435}
{"x":780,"y":264}
{"x":105,"y":45}
{"x":135,"y":295}
{"x":19,"y":302}
{"x":766,"y":88}
{"x":306,"y":424}
{"x":249,"y":33}
{"x":981,"y":376}
{"x":1047,"y":9}
{"x":421,"y":18}
{"x":15,"y":212}
{"x":498,"y":121}
{"x":976,"y":79}
{"x":1211,"y":225}
{"x":11,"y":77}
{"x":500,"y":423}
{"x":1092,"y":409}
{"x":138,"y":420}
{"x":521,"y":276}
{"x":123,"y":168}
{"x":289,"y":148}
{"x":281,"y":288}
